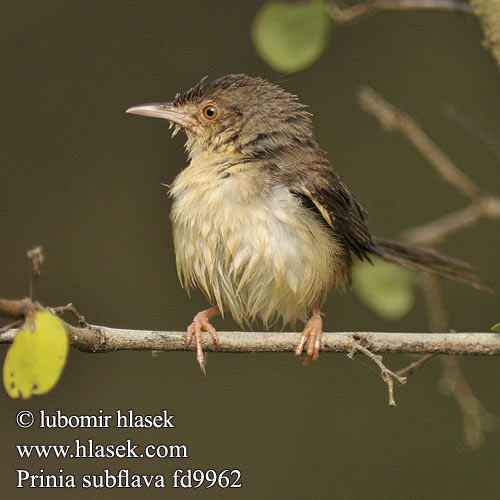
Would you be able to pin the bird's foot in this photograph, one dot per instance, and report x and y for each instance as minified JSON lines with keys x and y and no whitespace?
{"x":201,"y":323}
{"x":312,"y":335}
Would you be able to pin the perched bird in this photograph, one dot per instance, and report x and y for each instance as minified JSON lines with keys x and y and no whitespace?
{"x":262,"y":223}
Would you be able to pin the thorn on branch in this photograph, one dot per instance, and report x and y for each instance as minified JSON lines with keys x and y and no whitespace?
{"x":386,"y":374}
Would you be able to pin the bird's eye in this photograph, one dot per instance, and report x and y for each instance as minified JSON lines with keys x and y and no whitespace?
{"x":210,"y":112}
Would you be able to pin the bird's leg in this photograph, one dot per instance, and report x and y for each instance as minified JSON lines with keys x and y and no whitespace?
{"x":201,"y":323}
{"x":312,"y":334}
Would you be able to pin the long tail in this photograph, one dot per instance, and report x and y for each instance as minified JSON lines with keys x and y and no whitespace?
{"x":426,"y":259}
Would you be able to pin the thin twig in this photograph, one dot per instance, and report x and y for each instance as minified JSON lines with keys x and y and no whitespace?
{"x":13,"y":325}
{"x":433,"y":233}
{"x":386,"y":374}
{"x":487,"y":137}
{"x":36,"y":258}
{"x":393,"y":119}
{"x":436,"y":311}
{"x":17,"y":308}
{"x":484,"y":205}
{"x":72,"y":309}
{"x":476,"y":419}
{"x":370,"y":7}
{"x":416,"y":365}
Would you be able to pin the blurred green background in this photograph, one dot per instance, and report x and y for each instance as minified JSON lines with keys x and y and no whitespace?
{"x":83,"y":179}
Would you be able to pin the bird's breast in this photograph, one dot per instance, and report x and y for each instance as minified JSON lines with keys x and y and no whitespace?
{"x":249,"y":245}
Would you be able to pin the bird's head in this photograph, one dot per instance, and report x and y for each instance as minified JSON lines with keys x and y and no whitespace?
{"x":235,"y":114}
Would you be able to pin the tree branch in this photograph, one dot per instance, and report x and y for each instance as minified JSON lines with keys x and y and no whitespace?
{"x":476,"y":419}
{"x":487,"y":138}
{"x":434,"y":232}
{"x":483,"y":206}
{"x":17,"y":308}
{"x":393,"y":119}
{"x":104,"y":339}
{"x":370,"y":7}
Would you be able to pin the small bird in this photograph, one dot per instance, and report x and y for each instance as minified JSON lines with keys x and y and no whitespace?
{"x":262,"y":223}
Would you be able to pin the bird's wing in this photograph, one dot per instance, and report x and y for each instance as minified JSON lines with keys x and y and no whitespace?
{"x":315,"y":179}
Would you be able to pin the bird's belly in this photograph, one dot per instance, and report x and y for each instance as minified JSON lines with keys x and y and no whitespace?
{"x":265,"y":256}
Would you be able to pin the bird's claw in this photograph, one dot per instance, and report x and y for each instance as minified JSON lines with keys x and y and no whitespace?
{"x":201,"y":323}
{"x":312,"y":336}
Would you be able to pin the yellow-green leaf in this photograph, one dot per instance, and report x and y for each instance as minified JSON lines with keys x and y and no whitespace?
{"x":291,"y":36}
{"x":386,"y":288}
{"x":496,"y":328}
{"x":37,"y":356}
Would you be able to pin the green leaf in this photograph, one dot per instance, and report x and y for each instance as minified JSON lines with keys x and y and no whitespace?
{"x":291,"y":36}
{"x":37,"y":356}
{"x":496,"y":328}
{"x":385,"y":288}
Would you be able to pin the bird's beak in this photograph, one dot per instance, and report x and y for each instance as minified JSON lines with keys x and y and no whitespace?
{"x":165,"y":110}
